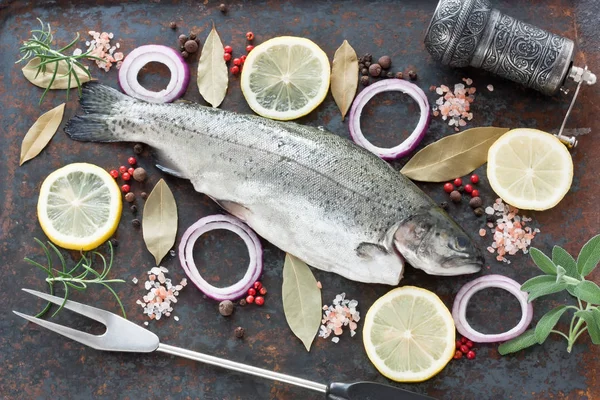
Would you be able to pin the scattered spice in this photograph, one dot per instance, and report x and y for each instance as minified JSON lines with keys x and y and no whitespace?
{"x":448,"y":187}
{"x":138,"y":148}
{"x":474,"y":178}
{"x":226,"y":308}
{"x":185,"y":54}
{"x":173,"y":25}
{"x":455,"y":196}
{"x":475,"y":202}
{"x":162,"y":294}
{"x":412,"y":75}
{"x":242,"y":302}
{"x":364,"y":80}
{"x":259,"y":300}
{"x":191,"y":46}
{"x":399,"y":75}
{"x":385,"y":62}
{"x":364,"y":71}
{"x":455,"y":105}
{"x":457,"y":182}
{"x":389,"y":75}
{"x":239,"y":332}
{"x":342,"y":313}
{"x":509,"y":231}
{"x":133,"y":209}
{"x":130,"y":197}
{"x":249,"y":36}
{"x":444,"y":205}
{"x":374,"y":70}
{"x":478,"y":211}
{"x":126,"y":176}
{"x":144,"y":195}
{"x":139,"y":174}
{"x":125,"y":188}
{"x":136,"y":223}
{"x":114,"y":242}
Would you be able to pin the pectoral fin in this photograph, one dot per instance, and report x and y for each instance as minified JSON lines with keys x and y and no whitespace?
{"x":368,"y":250}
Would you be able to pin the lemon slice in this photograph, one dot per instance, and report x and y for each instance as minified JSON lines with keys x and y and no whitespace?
{"x":79,"y":206}
{"x":285,"y":77}
{"x":530,"y":169}
{"x":409,"y":334}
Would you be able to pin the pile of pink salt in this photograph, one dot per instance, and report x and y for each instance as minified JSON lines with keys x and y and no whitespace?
{"x":342,"y":313}
{"x":455,"y":105}
{"x":101,"y":48}
{"x":162,"y":294}
{"x":509,"y":231}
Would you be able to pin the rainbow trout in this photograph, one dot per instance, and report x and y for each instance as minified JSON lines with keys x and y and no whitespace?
{"x":311,"y":193}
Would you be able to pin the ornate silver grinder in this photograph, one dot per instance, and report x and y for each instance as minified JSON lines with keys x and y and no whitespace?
{"x":472,"y":33}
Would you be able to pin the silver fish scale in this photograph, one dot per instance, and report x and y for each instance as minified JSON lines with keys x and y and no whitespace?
{"x":295,"y":185}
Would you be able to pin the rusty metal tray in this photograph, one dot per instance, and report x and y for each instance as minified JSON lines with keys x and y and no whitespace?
{"x":37,"y":364}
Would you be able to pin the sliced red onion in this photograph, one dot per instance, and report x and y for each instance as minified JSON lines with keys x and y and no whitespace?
{"x":459,"y":308}
{"x":138,"y":58}
{"x":390,"y":85}
{"x":186,"y":256}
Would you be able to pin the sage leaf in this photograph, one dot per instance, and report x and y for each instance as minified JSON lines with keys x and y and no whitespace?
{"x":561,"y":257}
{"x":40,"y":133}
{"x":542,"y":285}
{"x":301,"y":300}
{"x":589,"y":256}
{"x":159,"y":224}
{"x":588,"y":291}
{"x":547,"y":323}
{"x":591,"y":323}
{"x":344,"y":77}
{"x":452,"y":156}
{"x":213,"y":77}
{"x":526,"y":339}
{"x":542,"y":261}
{"x":61,"y":81}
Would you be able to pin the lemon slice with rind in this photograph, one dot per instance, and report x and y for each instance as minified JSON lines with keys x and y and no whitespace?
{"x":285,"y":77}
{"x":79,"y":206}
{"x":530,"y":169}
{"x":409,"y":334}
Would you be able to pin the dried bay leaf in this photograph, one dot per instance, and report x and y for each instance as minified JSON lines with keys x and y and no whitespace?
{"x":301,"y":300}
{"x":452,"y":156}
{"x":159,"y":224}
{"x":40,"y":133}
{"x":61,"y":81}
{"x":344,"y":77}
{"x":213,"y":77}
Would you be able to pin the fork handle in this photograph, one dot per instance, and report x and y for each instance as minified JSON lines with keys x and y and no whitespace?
{"x":243,"y":368}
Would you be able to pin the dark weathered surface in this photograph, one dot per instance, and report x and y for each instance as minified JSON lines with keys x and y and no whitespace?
{"x":39,"y":364}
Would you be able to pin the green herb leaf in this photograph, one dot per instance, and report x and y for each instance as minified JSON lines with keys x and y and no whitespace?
{"x":213,"y":77}
{"x":589,"y":256}
{"x":564,"y":259}
{"x":344,"y":77}
{"x":560,"y":273}
{"x":591,"y":323}
{"x":541,"y":286}
{"x":452,"y":156}
{"x":542,"y":261}
{"x":159,"y":223}
{"x":301,"y":300}
{"x":526,"y":339}
{"x":40,"y":133}
{"x":547,"y":323}
{"x":588,"y":291}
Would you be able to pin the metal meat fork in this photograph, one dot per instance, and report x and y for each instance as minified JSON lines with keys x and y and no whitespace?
{"x":123,"y":335}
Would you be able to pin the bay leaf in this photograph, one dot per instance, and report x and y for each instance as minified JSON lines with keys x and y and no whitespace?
{"x":213,"y":77}
{"x":344,"y":77}
{"x":452,"y":156}
{"x":61,"y":81}
{"x":301,"y":300}
{"x":159,"y":224}
{"x":40,"y":133}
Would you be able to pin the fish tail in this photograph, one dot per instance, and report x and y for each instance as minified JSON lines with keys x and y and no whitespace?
{"x":100,"y":103}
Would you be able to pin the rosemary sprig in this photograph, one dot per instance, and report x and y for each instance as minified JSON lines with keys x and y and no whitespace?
{"x":77,"y":278}
{"x":39,"y":45}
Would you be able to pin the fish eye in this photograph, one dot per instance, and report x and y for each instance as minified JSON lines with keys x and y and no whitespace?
{"x":461,"y":243}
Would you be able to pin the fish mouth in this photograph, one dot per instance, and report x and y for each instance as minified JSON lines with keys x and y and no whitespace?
{"x":461,"y":265}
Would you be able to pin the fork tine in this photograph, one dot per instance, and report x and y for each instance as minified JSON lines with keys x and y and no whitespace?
{"x":78,"y":336}
{"x":94,"y":313}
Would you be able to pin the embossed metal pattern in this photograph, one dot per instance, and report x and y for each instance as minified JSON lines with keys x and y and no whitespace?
{"x":470,"y":32}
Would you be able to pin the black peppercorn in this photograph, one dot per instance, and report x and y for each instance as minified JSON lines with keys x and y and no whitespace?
{"x":368,"y":57}
{"x":138,"y":149}
{"x":139,"y":174}
{"x":226,"y":308}
{"x":399,"y":75}
{"x":183,"y":39}
{"x":130,"y":197}
{"x":133,"y":209}
{"x":173,"y":25}
{"x":239,"y":332}
{"x":444,"y":205}
{"x":136,"y":223}
{"x":382,"y":74}
{"x":390,"y":75}
{"x":192,"y":36}
{"x":412,"y":75}
{"x":242,"y":302}
{"x":364,"y":71}
{"x":490,"y":218}
{"x":475,"y":202}
{"x":114,"y":242}
{"x":144,"y":195}
{"x":361,"y":65}
{"x":367,"y":64}
{"x":461,"y":189}
{"x":375,"y":70}
{"x":478,"y":211}
{"x":455,"y":196}
{"x":223,"y":8}
{"x":385,"y":62}
{"x":364,"y":80}
{"x":185,"y":54}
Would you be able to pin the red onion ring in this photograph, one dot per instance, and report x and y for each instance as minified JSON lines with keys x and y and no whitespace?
{"x":459,"y":308}
{"x":138,"y":58}
{"x":397,"y":85}
{"x":186,"y":256}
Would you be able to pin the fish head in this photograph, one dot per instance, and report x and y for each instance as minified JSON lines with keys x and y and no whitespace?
{"x":432,"y":241}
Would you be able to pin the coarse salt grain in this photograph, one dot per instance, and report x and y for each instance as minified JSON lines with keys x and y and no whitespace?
{"x":159,"y":299}
{"x":134,"y":280}
{"x":341,"y":313}
{"x":490,"y":88}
